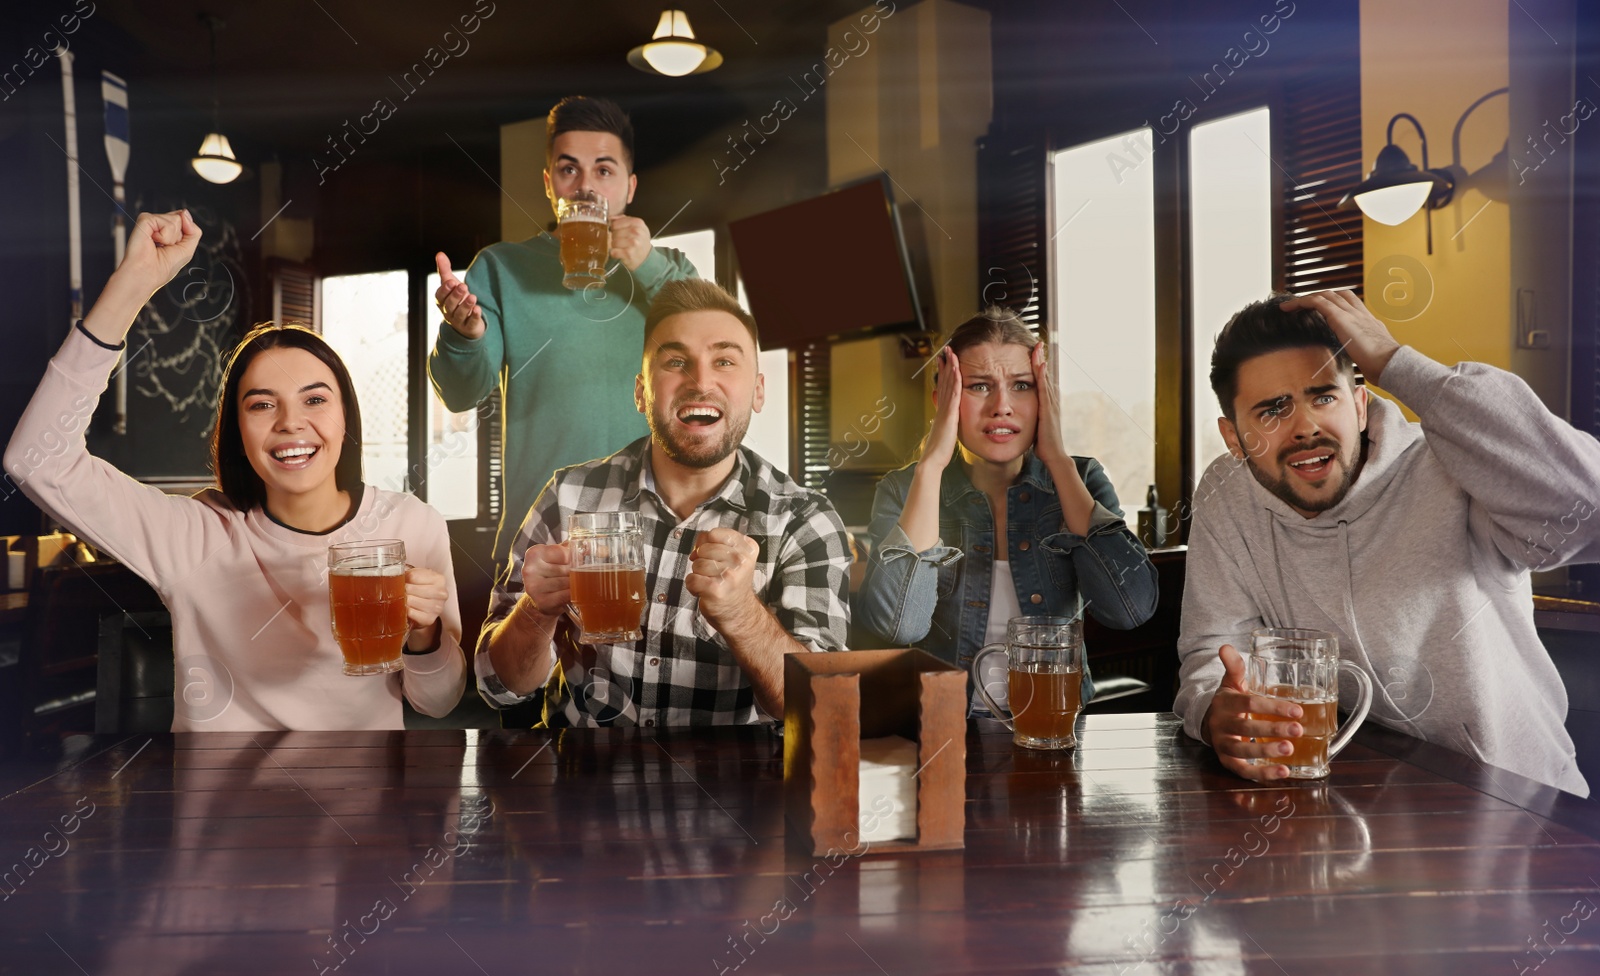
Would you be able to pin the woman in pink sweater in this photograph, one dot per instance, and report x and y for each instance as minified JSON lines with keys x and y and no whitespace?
{"x":242,"y":567}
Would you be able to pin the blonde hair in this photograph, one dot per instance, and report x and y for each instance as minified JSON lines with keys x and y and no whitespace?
{"x":695,"y":295}
{"x":996,"y":324}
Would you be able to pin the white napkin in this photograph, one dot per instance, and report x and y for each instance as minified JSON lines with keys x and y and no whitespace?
{"x":888,"y":771}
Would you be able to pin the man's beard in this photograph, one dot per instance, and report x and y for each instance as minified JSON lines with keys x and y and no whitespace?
{"x":693,"y":455}
{"x":1285,"y":488}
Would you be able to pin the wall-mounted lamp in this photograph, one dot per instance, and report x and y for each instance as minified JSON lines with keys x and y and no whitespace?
{"x":215,"y":162}
{"x":1395,"y":189}
{"x":673,"y":50}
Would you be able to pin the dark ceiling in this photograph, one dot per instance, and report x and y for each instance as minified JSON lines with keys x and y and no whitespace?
{"x":293,"y":71}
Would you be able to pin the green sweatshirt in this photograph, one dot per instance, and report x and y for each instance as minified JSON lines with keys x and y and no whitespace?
{"x":565,"y":362}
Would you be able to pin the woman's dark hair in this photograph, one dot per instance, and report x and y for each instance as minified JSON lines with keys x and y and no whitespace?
{"x":1263,"y":327}
{"x":237,"y":479}
{"x":579,"y":113}
{"x":994,"y":324}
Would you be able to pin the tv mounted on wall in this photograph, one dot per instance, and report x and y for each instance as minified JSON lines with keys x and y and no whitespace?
{"x":834,"y":265}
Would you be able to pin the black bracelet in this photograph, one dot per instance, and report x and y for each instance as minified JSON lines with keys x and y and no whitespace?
{"x":97,"y":341}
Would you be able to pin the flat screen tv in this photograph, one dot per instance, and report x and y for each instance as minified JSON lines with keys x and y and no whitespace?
{"x":834,"y":265}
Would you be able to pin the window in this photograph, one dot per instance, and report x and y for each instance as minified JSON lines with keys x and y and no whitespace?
{"x":1103,"y":199}
{"x":1231,"y":225}
{"x":1230,"y":214}
{"x":450,"y":447}
{"x":365,"y":319}
{"x":699,"y":245}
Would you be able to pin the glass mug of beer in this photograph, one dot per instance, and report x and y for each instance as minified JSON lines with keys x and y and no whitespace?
{"x":1044,"y":658}
{"x":607,"y":575}
{"x":367,"y":593}
{"x":1303,"y":666}
{"x":584,"y":226}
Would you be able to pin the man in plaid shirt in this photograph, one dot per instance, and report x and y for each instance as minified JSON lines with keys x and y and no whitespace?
{"x":743,"y":565}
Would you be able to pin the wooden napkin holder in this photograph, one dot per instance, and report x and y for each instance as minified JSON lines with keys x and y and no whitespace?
{"x":832,"y":701}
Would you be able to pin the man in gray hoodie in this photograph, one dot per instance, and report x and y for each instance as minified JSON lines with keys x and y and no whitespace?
{"x":1412,"y":543}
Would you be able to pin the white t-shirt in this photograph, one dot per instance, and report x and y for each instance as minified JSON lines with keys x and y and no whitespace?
{"x":1003,"y":606}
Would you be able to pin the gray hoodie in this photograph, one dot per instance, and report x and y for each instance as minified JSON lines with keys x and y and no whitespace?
{"x":1422,"y":570}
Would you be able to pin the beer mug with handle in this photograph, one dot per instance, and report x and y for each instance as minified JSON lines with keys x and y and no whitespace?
{"x":607,"y":575}
{"x":1044,"y":675}
{"x":1303,"y":666}
{"x":367,"y":603}
{"x":584,"y":225}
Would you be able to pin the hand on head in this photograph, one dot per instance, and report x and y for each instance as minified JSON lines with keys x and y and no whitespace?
{"x":940,"y":444}
{"x":1366,"y":339}
{"x":1048,"y":444}
{"x":1233,"y":731}
{"x":458,"y":305}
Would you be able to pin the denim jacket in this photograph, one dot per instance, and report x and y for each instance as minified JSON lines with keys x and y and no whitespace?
{"x":938,"y":599}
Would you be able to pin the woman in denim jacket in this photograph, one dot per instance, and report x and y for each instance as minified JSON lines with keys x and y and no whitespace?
{"x":997,"y":520}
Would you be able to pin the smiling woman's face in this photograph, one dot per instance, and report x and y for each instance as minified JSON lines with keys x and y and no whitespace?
{"x":291,"y":421}
{"x":999,"y":406}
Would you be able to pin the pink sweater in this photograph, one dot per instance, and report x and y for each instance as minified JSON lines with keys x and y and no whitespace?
{"x":248,"y":597}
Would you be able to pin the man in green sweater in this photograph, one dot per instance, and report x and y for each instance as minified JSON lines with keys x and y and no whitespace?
{"x":565,"y":361}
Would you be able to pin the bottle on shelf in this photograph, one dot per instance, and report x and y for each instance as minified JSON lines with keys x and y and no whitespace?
{"x":1152,"y":521}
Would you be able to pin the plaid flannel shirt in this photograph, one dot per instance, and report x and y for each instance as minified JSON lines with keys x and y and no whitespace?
{"x":682,"y":671}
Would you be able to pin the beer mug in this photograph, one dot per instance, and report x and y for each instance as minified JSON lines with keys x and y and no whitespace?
{"x":607,"y":575}
{"x":1303,"y":666}
{"x":367,"y":594}
{"x":1044,"y":678}
{"x":584,"y":226}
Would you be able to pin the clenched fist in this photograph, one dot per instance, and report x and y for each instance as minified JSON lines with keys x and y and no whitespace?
{"x":159,"y":246}
{"x":722,"y":575}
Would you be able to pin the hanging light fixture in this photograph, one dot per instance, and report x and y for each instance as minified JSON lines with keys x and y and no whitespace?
{"x":215,"y":162}
{"x":1395,"y":189}
{"x":673,"y":50}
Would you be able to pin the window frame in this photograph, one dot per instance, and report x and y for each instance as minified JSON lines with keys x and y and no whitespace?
{"x":1175,"y":469}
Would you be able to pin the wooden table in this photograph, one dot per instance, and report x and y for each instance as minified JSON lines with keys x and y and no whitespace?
{"x":630,"y":852}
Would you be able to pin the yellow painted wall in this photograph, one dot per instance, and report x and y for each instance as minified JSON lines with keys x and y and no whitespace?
{"x":1433,"y":59}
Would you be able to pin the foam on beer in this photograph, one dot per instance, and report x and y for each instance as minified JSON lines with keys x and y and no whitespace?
{"x":369,"y":566}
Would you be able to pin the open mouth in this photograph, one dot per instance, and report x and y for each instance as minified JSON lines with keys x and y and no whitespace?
{"x":1313,"y":467}
{"x":294,"y":456}
{"x":699,"y":415}
{"x":1001,"y":433}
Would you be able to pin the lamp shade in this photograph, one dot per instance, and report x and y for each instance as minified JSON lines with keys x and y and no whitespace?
{"x":675,"y":58}
{"x":1394,"y":204}
{"x":215,"y":162}
{"x":672,"y":50}
{"x":1395,"y":189}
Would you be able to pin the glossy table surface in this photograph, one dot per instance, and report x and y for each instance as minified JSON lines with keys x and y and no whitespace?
{"x":509,"y":852}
